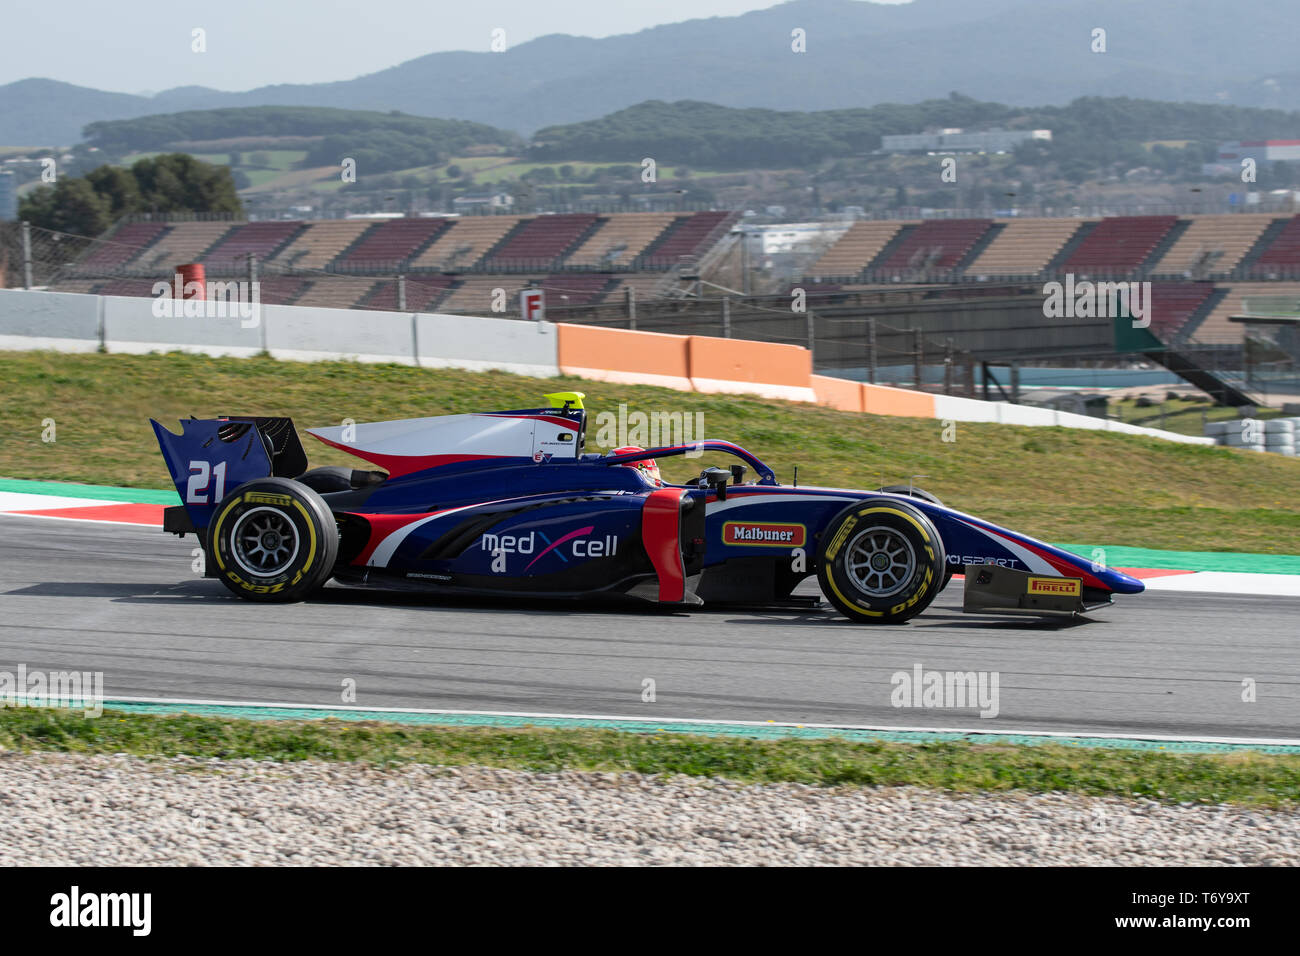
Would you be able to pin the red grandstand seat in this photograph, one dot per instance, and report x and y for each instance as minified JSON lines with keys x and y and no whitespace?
{"x":543,"y":240}
{"x":393,"y":242}
{"x":937,"y":244}
{"x":1119,"y":245}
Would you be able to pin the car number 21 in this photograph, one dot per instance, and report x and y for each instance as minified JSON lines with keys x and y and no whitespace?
{"x":201,"y":474}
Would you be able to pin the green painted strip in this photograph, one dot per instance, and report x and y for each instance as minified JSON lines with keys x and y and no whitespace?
{"x":774,"y":732}
{"x":1117,"y":557}
{"x":96,"y":492}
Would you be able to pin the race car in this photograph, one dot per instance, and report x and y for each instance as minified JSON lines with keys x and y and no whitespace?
{"x":511,"y":503}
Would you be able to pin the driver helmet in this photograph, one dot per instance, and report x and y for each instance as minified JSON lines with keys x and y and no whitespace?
{"x":648,"y":467}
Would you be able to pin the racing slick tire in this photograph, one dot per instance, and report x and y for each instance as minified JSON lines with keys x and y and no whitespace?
{"x":924,"y":496}
{"x":880,"y":562}
{"x":273,"y":539}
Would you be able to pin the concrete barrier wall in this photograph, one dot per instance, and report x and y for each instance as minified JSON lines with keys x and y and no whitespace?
{"x":72,"y":323}
{"x":478,"y":344}
{"x":838,"y":393}
{"x":309,"y":335}
{"x":131,"y":326}
{"x":964,"y":409}
{"x":49,"y":320}
{"x":624,"y":356}
{"x":742,"y":366}
{"x":884,"y":400}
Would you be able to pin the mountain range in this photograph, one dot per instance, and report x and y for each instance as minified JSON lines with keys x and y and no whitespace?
{"x":858,"y":54}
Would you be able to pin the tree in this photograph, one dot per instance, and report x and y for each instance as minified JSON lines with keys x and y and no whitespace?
{"x":118,"y":186}
{"x":71,"y":205}
{"x":177,"y":182}
{"x":453,"y":171}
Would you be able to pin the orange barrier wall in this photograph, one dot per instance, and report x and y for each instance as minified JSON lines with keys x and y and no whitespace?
{"x":624,"y":356}
{"x":769,"y":369}
{"x":838,"y":393}
{"x":883,"y":400}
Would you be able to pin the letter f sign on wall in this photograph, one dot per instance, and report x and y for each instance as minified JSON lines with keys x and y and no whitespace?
{"x":532,"y":305}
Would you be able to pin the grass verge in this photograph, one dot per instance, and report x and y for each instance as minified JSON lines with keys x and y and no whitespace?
{"x":1242,"y":777}
{"x":1055,"y":483}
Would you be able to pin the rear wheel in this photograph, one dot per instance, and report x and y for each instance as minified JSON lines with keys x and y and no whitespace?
{"x":881,"y":562}
{"x":273,"y":540}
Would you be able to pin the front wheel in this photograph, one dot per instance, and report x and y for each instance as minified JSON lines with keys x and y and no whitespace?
{"x":913,"y":492}
{"x":881,"y":562}
{"x":273,"y":540}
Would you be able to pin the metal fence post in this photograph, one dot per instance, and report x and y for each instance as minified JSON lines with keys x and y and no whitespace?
{"x":27,"y":254}
{"x":918,"y":357}
{"x":401,"y":292}
{"x":871,"y":351}
{"x":726,"y":317}
{"x":631,"y":307}
{"x":812,"y":334}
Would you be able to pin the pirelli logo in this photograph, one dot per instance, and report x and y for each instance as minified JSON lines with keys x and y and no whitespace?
{"x":763,"y":534}
{"x":1065,"y":587}
{"x":265,"y":498}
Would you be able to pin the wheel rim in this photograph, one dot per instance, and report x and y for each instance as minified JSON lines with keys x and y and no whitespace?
{"x":880,"y":561}
{"x":264,"y":542}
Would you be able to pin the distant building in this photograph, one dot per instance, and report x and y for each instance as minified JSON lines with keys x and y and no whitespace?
{"x":960,"y":141}
{"x":484,"y":201}
{"x":1260,"y":150}
{"x":783,"y":238}
{"x":8,"y":197}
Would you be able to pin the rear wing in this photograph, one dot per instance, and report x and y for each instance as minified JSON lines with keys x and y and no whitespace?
{"x":211,"y":457}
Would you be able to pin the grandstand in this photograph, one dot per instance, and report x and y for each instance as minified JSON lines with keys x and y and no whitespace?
{"x":931,"y":244}
{"x":464,"y":244}
{"x":586,"y":261}
{"x":1281,"y":252}
{"x":1212,"y":244}
{"x":321,"y":243}
{"x":389,"y":243}
{"x":1119,"y":246}
{"x":620,"y":239}
{"x":1176,"y":307}
{"x":1216,"y":329}
{"x":687,"y":237}
{"x":259,"y":239}
{"x":862,"y":242}
{"x":1023,"y":247}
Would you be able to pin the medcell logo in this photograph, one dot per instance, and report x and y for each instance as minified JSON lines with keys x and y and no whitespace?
{"x":509,"y":543}
{"x":580,"y":545}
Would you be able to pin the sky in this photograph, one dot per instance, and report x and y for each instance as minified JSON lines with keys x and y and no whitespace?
{"x":139,"y":46}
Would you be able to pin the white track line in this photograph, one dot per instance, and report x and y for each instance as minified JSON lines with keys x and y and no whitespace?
{"x":701,"y":721}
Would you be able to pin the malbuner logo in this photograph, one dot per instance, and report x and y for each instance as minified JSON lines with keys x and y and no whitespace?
{"x":1098,"y":300}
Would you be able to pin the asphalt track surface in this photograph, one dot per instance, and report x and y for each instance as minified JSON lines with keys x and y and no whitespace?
{"x":125,"y":601}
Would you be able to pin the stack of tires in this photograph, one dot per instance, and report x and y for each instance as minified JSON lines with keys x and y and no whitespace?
{"x":1280,"y":435}
{"x":1275,"y":435}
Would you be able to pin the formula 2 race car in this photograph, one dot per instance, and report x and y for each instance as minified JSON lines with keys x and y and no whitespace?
{"x":510,"y":502}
